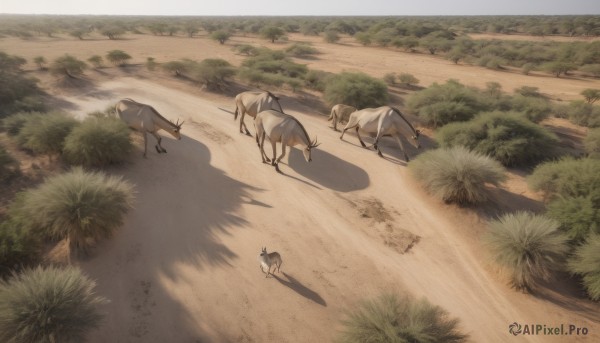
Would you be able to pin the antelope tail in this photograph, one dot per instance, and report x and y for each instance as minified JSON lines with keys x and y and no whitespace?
{"x":330,"y":116}
{"x":235,"y":115}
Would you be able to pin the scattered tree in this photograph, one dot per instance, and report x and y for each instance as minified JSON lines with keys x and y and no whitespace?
{"x":591,"y":95}
{"x":586,"y":262}
{"x":68,"y":65}
{"x":96,"y":61}
{"x":272,"y":32}
{"x":221,"y":36}
{"x":355,"y":89}
{"x":40,"y":61}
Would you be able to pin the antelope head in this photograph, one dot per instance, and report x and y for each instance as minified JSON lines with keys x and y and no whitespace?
{"x":307,"y":150}
{"x":263,"y":251}
{"x":176,"y":129}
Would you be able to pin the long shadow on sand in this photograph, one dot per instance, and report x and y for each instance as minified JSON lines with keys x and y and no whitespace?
{"x":329,"y":171}
{"x":183,"y":208}
{"x":299,"y":288}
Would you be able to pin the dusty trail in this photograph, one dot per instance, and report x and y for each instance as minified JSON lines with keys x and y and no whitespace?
{"x":349,"y":225}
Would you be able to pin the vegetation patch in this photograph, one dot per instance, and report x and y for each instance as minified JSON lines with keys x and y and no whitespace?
{"x":355,"y":89}
{"x":507,"y":137}
{"x":390,"y":318}
{"x":527,"y":246}
{"x":457,"y":174}
{"x":48,"y":305}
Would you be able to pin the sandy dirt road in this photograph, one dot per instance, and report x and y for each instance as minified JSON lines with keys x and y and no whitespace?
{"x":349,"y":226}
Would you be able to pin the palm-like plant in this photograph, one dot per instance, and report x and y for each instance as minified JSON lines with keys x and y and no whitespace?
{"x":393,"y":319}
{"x":80,"y":206}
{"x":48,"y":305}
{"x":527,"y":246}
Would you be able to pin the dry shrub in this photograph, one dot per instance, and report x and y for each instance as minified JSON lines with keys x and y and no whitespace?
{"x":457,"y":174}
{"x":526,"y":246}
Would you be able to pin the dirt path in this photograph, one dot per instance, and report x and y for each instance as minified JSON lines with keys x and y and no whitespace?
{"x":349,"y":225}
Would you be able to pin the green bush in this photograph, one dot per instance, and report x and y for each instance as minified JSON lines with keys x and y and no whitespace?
{"x":583,"y":113}
{"x":17,"y":91}
{"x":592,"y":143}
{"x":567,"y":178}
{"x":439,"y":105}
{"x":19,"y":247}
{"x":118,"y":57}
{"x":213,"y":72}
{"x":527,"y":246}
{"x":67,"y":65}
{"x":220,"y":36}
{"x":535,"y":109}
{"x":301,"y":50}
{"x":578,"y":216}
{"x":456,"y":174}
{"x":13,"y":124}
{"x":389,"y":78}
{"x":46,"y":134}
{"x":392,"y":319}
{"x":80,"y":206}
{"x":98,"y":142}
{"x":408,"y":79}
{"x":9,"y":167}
{"x":507,"y":137}
{"x":317,"y":79}
{"x":331,"y":36}
{"x":48,"y":305}
{"x":355,"y":89}
{"x":586,"y":262}
{"x":96,"y":61}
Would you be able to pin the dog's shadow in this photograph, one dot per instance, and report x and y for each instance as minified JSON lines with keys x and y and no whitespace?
{"x":299,"y":288}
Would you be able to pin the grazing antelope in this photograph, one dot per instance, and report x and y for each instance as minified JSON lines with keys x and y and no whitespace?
{"x":340,"y":112}
{"x":251,"y":103}
{"x":268,"y":259}
{"x":383,"y":121}
{"x":144,"y":118}
{"x":282,"y":128}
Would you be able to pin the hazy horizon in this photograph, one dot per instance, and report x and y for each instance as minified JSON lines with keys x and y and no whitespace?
{"x":302,"y":8}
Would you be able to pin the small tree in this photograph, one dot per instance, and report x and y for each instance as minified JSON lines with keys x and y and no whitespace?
{"x":213,"y":72}
{"x":527,"y":246}
{"x":586,"y":262}
{"x":191,"y":29}
{"x":40,"y":61}
{"x":494,"y":89}
{"x":355,"y":89}
{"x":272,"y":32}
{"x":113,"y":32}
{"x":390,"y":319}
{"x":118,"y":57}
{"x":151,"y":63}
{"x":78,"y":33}
{"x":558,"y":68}
{"x":221,"y":36}
{"x":591,"y":95}
{"x":177,"y":68}
{"x":48,"y":305}
{"x":67,"y":65}
{"x":96,"y":61}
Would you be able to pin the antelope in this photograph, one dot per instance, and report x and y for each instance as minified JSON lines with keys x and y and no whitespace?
{"x":282,"y":128}
{"x":384,"y":121}
{"x":251,"y":103}
{"x":145,"y":119}
{"x":266,"y":260}
{"x":340,"y":112}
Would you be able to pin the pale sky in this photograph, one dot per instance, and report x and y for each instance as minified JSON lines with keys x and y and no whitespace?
{"x":302,"y":7}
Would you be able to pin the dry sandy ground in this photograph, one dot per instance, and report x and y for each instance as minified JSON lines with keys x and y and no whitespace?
{"x":349,"y":226}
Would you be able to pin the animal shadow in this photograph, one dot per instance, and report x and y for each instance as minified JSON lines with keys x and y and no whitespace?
{"x":299,"y":288}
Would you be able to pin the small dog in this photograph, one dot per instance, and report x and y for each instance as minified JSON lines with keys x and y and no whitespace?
{"x":268,"y":259}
